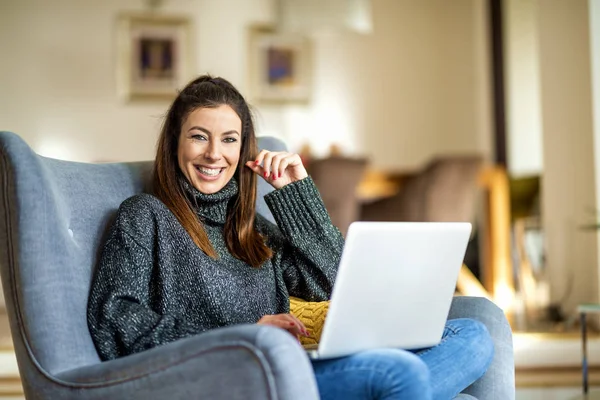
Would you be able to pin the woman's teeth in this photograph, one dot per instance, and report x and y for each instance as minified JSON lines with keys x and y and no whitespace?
{"x":209,"y":171}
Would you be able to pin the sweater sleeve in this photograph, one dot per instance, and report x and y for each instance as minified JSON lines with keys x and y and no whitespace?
{"x":121,"y":316}
{"x":307,"y":246}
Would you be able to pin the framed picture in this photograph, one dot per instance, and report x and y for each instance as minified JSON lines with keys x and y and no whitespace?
{"x":280,"y":66}
{"x":154,"y":55}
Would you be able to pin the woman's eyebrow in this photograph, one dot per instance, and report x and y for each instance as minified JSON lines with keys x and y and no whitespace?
{"x":200,"y":129}
{"x":233,"y":131}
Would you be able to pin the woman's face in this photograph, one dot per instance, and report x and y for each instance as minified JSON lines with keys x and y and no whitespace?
{"x":209,"y":148}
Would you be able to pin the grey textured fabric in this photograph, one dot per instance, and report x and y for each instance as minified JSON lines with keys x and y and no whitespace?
{"x":53,"y":217}
{"x":498,"y":383}
{"x":242,"y":362}
{"x":154,"y":285}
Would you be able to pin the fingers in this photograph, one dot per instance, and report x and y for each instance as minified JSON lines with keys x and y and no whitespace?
{"x":285,"y":321}
{"x":274,"y":163}
{"x":260,"y":157}
{"x":257,"y":169}
{"x":260,"y":160}
{"x":286,"y":161}
{"x":292,"y":324}
{"x":300,"y":325}
{"x":267,"y":161}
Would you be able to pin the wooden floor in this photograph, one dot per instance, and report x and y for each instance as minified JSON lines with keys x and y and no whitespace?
{"x":537,"y":384}
{"x":10,"y":383}
{"x":10,"y":388}
{"x":531,"y":383}
{"x":555,"y":377}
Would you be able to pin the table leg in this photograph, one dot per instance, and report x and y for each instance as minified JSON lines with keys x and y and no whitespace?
{"x":584,"y":362}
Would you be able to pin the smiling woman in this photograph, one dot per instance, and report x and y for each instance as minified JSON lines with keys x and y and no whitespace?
{"x":209,"y":126}
{"x":209,"y":147}
{"x":195,"y":256}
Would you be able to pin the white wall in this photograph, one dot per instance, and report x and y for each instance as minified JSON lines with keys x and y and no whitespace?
{"x":522,"y":72}
{"x":58,"y":79}
{"x":417,"y":87}
{"x":568,"y":185}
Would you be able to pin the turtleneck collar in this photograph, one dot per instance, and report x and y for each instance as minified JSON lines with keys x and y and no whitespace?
{"x":211,"y":207}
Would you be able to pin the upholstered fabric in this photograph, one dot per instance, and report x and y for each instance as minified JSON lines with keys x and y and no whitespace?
{"x":446,"y":190}
{"x":499,"y":380}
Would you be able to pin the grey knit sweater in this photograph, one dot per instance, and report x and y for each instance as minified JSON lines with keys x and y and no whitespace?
{"x":153,"y":285}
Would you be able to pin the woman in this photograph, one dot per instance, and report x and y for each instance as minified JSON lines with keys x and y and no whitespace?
{"x":194,"y":256}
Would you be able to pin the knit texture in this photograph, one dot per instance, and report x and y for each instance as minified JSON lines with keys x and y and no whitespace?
{"x":312,"y":314}
{"x":153,"y":285}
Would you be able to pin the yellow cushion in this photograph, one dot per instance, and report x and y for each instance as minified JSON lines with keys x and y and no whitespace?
{"x":312,"y":315}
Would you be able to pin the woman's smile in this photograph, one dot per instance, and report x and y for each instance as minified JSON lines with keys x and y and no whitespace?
{"x":209,"y":173}
{"x":209,"y":147}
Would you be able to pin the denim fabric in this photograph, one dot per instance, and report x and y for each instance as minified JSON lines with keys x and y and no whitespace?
{"x":439,"y":372}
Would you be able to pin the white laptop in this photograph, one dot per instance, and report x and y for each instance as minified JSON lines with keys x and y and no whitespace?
{"x":394,"y":286}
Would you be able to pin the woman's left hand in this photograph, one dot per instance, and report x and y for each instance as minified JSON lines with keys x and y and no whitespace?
{"x":279,"y":168}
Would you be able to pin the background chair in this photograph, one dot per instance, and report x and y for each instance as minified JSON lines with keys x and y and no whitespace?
{"x":444,"y":191}
{"x":53,"y":216}
{"x":337,"y":179}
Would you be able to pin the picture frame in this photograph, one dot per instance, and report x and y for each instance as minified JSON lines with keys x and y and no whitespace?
{"x":280,"y":66}
{"x":154,"y":55}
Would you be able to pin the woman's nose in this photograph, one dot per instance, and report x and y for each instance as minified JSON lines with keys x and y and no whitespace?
{"x":213,"y":151}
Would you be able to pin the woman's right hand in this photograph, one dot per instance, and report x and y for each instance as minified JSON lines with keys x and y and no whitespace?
{"x":285,"y":321}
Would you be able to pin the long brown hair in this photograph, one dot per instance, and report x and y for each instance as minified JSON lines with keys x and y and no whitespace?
{"x":243,"y":241}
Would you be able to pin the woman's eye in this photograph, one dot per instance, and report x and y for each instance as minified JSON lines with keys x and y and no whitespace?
{"x":230,"y":140}
{"x":199,"y":137}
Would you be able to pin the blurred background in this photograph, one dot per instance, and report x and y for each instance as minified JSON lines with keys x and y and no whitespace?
{"x":483,"y":111}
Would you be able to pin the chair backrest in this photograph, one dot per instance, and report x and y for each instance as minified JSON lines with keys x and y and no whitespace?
{"x":53,"y":217}
{"x":337,"y":179}
{"x":444,"y":191}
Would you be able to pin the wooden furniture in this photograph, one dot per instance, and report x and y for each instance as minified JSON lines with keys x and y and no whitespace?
{"x":497,"y":273}
{"x":376,"y":185}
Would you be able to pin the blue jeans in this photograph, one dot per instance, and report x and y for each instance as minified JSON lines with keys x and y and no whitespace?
{"x":439,"y":372}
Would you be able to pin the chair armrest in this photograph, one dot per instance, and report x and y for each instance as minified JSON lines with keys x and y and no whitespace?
{"x":240,"y":362}
{"x":499,"y":380}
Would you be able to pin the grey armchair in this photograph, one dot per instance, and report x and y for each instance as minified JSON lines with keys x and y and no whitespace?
{"x":53,"y":215}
